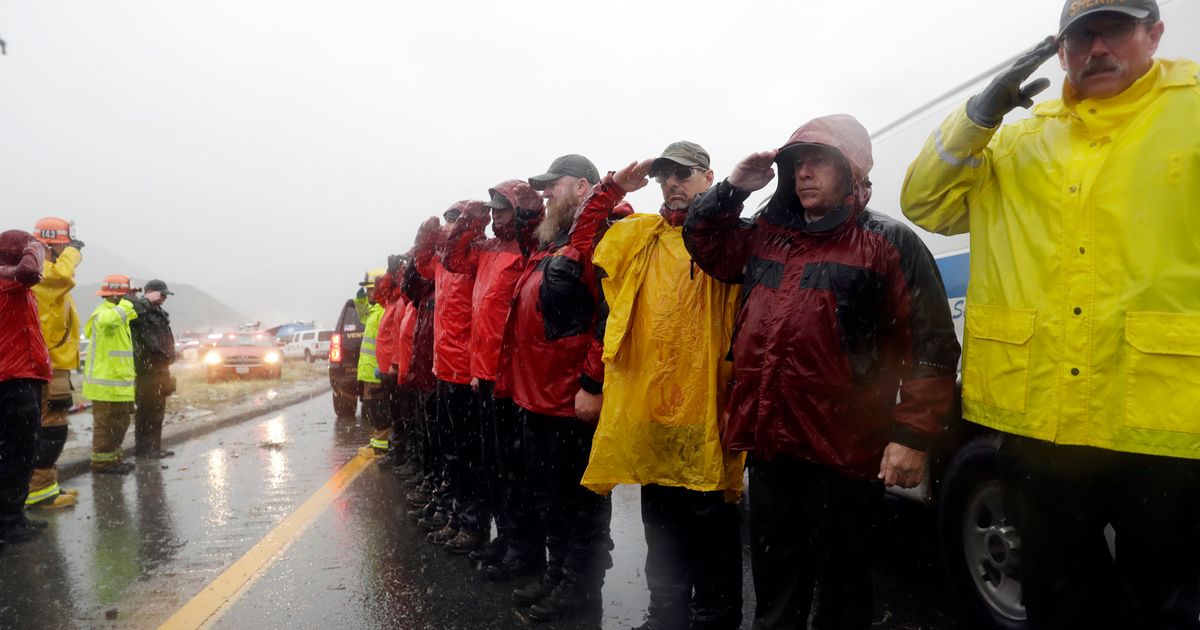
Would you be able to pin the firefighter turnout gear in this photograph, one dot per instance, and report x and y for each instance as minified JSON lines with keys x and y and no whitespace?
{"x":110,"y":376}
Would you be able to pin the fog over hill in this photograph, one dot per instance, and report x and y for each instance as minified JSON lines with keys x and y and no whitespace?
{"x":190,"y":308}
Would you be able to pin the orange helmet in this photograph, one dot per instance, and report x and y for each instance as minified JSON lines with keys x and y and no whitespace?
{"x":114,"y":284}
{"x":54,"y":231}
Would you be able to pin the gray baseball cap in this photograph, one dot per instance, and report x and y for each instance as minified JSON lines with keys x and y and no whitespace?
{"x":682,"y":152}
{"x":571,"y":164}
{"x":1074,"y":10}
{"x":498,"y":201}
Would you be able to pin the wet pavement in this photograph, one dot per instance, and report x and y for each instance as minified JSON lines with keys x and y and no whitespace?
{"x":136,"y":549}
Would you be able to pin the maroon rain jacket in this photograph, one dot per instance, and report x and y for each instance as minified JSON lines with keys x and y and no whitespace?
{"x":420,"y":293}
{"x":23,"y":352}
{"x":554,"y":309}
{"x":837,"y":316}
{"x":496,"y":264}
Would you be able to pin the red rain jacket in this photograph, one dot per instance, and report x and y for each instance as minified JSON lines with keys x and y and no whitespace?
{"x":837,"y":316}
{"x":23,"y":352}
{"x":404,"y":343}
{"x":497,"y":264}
{"x":388,"y":294}
{"x":554,"y":312}
{"x":452,"y":311}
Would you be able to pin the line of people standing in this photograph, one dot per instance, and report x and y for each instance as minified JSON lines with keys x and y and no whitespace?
{"x":812,"y":343}
{"x":584,"y":346}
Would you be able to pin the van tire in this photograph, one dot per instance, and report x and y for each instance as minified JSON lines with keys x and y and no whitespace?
{"x":970,"y":512}
{"x":308,"y":357}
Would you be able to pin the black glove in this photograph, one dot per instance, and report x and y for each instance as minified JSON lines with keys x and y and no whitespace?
{"x":76,"y":243}
{"x":1005,"y":92}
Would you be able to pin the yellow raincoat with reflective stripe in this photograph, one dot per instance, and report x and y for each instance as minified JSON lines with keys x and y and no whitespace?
{"x":367,"y":363}
{"x":56,"y":309}
{"x":109,"y":375}
{"x":1083,"y":308}
{"x":665,"y":373}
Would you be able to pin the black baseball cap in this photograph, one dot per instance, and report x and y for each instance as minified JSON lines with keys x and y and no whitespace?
{"x":1074,"y":10}
{"x":157,"y":285}
{"x":684,"y":153}
{"x":571,"y":164}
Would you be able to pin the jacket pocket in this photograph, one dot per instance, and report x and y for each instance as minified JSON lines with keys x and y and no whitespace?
{"x":1162,"y":387}
{"x":996,"y":361}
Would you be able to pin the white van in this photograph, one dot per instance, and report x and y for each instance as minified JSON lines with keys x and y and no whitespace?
{"x":309,"y":345}
{"x":979,"y":546}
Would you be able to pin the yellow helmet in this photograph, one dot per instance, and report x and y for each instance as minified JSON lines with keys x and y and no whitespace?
{"x":371,"y":276}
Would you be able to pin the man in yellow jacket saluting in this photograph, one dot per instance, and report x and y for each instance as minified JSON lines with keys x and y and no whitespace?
{"x":60,"y":327}
{"x":109,"y":379}
{"x":1083,"y":312}
{"x":665,"y":336}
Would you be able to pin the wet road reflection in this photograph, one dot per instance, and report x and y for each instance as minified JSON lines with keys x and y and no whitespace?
{"x":137,"y":548}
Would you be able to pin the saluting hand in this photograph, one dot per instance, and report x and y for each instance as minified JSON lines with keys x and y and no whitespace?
{"x":754,"y":172}
{"x":902,"y":466}
{"x":634,"y":176}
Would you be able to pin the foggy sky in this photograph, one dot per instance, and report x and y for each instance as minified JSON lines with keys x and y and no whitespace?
{"x":270,"y":152}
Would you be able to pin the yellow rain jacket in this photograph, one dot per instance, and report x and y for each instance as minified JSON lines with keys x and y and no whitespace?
{"x":56,"y":308}
{"x":665,"y":372}
{"x":368,"y":364}
{"x":1083,"y":308}
{"x":109,"y":376}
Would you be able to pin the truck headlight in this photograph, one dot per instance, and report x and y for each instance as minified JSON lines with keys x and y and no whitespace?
{"x":271,"y":357}
{"x":212,"y":358}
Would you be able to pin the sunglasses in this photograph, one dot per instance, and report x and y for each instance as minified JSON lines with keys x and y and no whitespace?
{"x":1114,"y":36}
{"x":681,"y":173}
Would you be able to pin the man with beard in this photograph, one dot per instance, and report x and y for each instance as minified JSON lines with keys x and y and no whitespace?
{"x":496,"y":264}
{"x":1083,"y":312}
{"x":554,"y":319}
{"x":665,"y":379}
{"x":843,"y":364}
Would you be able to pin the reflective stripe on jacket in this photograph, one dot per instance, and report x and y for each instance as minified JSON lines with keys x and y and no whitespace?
{"x":110,"y":373}
{"x":1083,"y":309}
{"x":367,"y":362}
{"x":56,"y":309}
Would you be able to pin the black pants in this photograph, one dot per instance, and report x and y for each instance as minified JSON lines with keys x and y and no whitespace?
{"x":808,"y":521}
{"x":576,"y":520}
{"x":151,"y":399}
{"x":401,"y":403}
{"x":458,"y":408}
{"x":426,"y":423}
{"x":693,"y":559}
{"x":1061,"y":498}
{"x":20,"y":417}
{"x":517,"y":522}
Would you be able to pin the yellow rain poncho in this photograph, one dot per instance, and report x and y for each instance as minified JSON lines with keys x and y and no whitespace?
{"x":667,"y":337}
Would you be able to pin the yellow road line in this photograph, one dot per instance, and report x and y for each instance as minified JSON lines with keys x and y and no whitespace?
{"x":207,"y":607}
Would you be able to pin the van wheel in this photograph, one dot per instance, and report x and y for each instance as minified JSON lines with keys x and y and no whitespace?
{"x":981,"y":549}
{"x":308,"y":356}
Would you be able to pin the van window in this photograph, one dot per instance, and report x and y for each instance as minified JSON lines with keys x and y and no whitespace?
{"x":324,"y":335}
{"x":308,"y":336}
